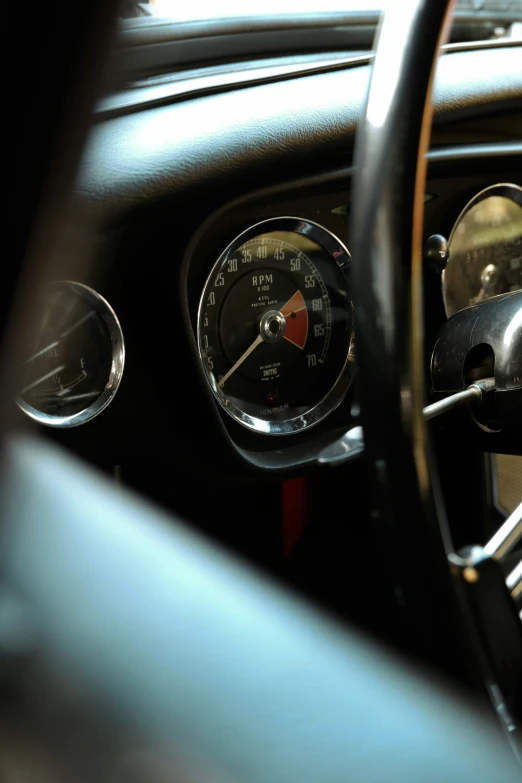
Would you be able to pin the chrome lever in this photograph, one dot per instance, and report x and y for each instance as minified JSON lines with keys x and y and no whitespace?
{"x":507,"y":537}
{"x":514,"y":582}
{"x":475,"y":392}
{"x":351,"y":444}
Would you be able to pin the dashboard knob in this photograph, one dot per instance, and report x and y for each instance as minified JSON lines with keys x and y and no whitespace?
{"x":436,"y":252}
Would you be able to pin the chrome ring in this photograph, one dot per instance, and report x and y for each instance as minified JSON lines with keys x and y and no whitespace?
{"x":112,"y":323}
{"x":334,"y":397}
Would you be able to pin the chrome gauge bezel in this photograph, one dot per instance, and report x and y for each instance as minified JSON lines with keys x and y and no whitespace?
{"x":508,"y":190}
{"x":334,"y":397}
{"x":117,"y":365}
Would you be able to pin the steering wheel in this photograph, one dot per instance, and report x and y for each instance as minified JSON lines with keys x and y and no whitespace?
{"x":408,"y":508}
{"x":197,"y":661}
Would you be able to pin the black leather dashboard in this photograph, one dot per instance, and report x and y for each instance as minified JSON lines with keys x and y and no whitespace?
{"x":276,"y":130}
{"x":163,"y":191}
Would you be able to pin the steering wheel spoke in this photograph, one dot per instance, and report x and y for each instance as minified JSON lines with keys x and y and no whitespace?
{"x":492,"y":610}
{"x":507,"y":536}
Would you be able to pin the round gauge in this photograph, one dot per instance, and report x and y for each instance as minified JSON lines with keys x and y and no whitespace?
{"x":485,"y":249}
{"x":76,"y":359}
{"x":275,"y":326}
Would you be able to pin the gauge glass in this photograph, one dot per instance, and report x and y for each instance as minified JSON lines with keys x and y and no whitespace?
{"x":75,"y":361}
{"x":485,"y":249}
{"x":275,"y":326}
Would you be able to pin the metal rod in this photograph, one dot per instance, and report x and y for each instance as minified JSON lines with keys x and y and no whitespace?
{"x":473,"y":392}
{"x":507,"y":537}
{"x":351,"y":444}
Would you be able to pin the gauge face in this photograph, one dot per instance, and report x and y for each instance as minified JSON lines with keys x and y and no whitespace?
{"x":485,"y":249}
{"x":275,"y":326}
{"x":76,"y":359}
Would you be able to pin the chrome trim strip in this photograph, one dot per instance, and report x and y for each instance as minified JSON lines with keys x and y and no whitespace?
{"x":154,"y":30}
{"x":471,"y":151}
{"x":191,"y":86}
{"x":470,"y":46}
{"x":153,"y":95}
{"x":134,"y":33}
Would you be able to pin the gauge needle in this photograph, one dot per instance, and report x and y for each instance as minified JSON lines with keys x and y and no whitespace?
{"x":43,"y":378}
{"x":295,"y":304}
{"x":240,"y":361}
{"x":296,"y":315}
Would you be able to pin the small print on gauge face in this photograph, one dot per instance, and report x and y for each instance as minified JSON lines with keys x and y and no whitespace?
{"x":275,"y":326}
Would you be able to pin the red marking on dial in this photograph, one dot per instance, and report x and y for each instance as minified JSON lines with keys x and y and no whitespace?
{"x":296,"y":316}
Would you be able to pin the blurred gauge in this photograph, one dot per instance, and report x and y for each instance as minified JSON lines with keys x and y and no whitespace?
{"x":485,"y":249}
{"x":76,"y":359}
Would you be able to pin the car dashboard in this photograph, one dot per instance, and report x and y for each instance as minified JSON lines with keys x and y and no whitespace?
{"x":219,"y":222}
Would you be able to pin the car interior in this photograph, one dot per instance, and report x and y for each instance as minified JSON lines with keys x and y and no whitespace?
{"x":261,"y":410}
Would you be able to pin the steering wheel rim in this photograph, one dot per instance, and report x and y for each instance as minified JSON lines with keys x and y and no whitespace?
{"x":387,"y":222}
{"x":386,"y":235}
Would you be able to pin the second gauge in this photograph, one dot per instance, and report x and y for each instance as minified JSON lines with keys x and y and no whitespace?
{"x":275,"y":326}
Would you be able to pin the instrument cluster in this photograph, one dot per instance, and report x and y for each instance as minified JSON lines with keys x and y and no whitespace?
{"x":275,"y":324}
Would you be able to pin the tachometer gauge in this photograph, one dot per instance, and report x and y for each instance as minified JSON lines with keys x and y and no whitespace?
{"x":485,"y":249}
{"x":75,"y":361}
{"x":275,"y":326}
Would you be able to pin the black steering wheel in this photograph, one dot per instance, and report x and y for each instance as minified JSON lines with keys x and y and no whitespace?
{"x":171,"y":655}
{"x":387,"y":225}
{"x":450,"y":614}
